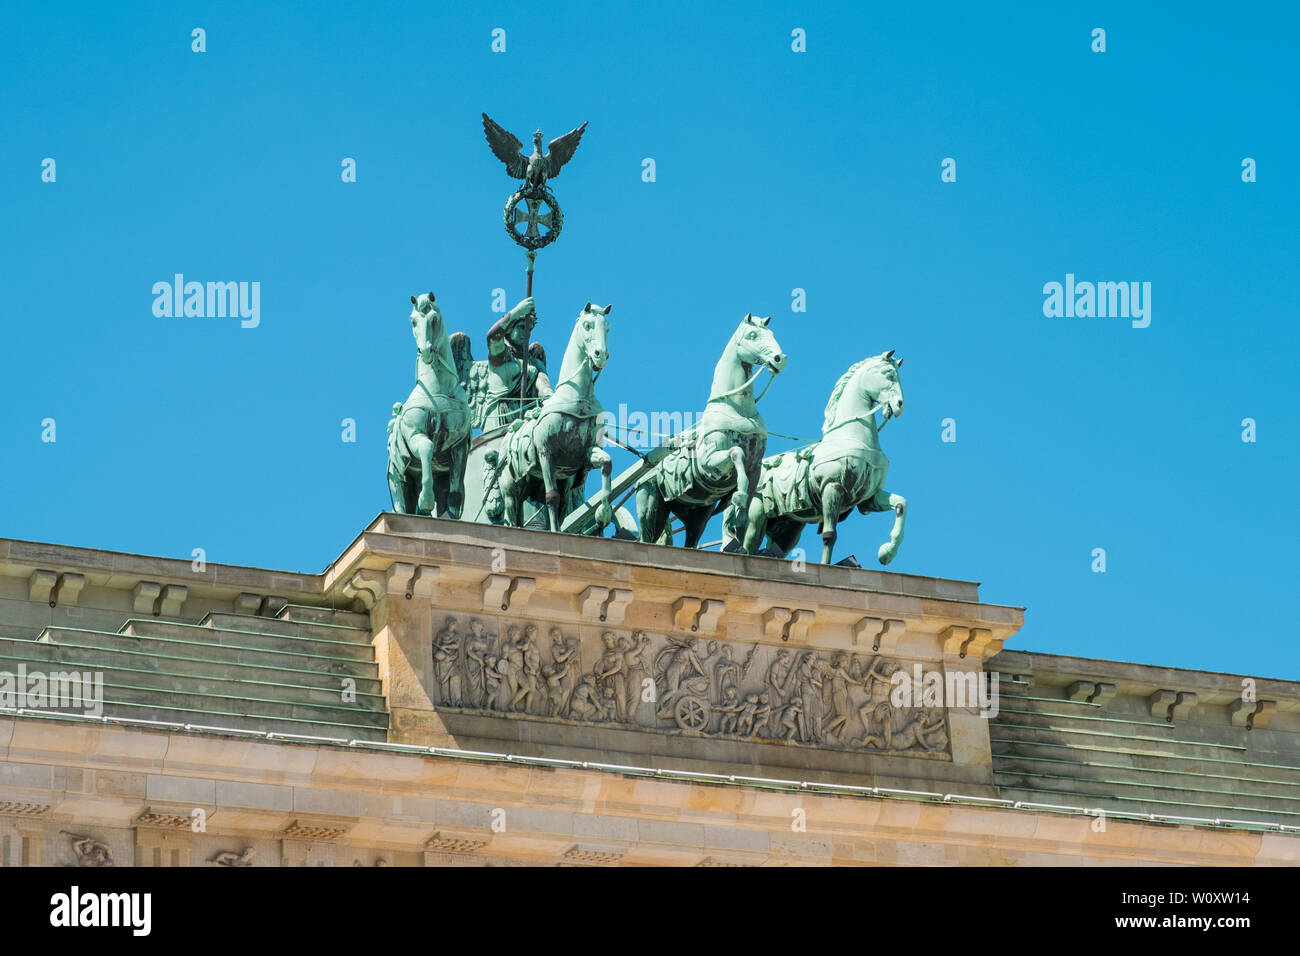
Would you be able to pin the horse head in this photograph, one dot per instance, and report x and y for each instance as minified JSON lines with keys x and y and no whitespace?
{"x":426,"y":325}
{"x":756,"y":345}
{"x":593,"y":334}
{"x":874,"y":382}
{"x":880,"y":381}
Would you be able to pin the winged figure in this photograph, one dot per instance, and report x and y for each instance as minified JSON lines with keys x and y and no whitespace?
{"x":538,"y":167}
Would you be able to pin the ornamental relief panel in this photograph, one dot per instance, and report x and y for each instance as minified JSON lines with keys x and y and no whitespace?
{"x":677,"y":685}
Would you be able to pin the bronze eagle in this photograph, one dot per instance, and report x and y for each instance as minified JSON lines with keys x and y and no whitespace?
{"x":538,"y":167}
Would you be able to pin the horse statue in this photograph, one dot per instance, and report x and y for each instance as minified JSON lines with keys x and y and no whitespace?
{"x":550,"y":452}
{"x":822,"y":482}
{"x":428,"y":437}
{"x":717,"y":461}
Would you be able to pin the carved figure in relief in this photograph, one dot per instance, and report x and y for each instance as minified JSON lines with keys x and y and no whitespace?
{"x":730,"y":709}
{"x":675,"y":665}
{"x":586,"y":701}
{"x":565,"y":655}
{"x":90,"y":852}
{"x":809,"y":690}
{"x":512,"y":670}
{"x":492,"y":677}
{"x":923,"y":728}
{"x":231,"y":858}
{"x":745,"y":725}
{"x":611,"y":674}
{"x":532,"y":658}
{"x":791,"y":718}
{"x":836,"y":679}
{"x":877,"y":713}
{"x":637,"y":668}
{"x":726,"y":672}
{"x":554,"y":675}
{"x":762,"y":715}
{"x":780,"y":675}
{"x":446,"y":663}
{"x":477,"y":646}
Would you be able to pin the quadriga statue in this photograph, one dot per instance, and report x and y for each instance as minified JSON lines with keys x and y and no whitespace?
{"x":824,"y":481}
{"x":428,"y":437}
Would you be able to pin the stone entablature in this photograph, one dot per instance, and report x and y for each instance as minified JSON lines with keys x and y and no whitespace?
{"x":694,"y":624}
{"x":101,"y":791}
{"x":488,"y":637}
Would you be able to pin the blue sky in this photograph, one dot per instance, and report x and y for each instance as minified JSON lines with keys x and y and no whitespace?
{"x":775,"y":170}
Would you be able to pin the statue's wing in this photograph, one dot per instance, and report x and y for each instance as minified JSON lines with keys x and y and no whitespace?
{"x":462,"y":355}
{"x":561,"y":150}
{"x":477,"y":393}
{"x":538,"y":354}
{"x":507,"y":148}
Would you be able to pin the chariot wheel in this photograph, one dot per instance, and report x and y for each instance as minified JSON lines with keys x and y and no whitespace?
{"x":692,"y":713}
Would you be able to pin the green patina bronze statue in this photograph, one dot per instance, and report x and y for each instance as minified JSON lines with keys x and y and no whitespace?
{"x":538,"y":441}
{"x":428,"y":436}
{"x":822,"y":482}
{"x":548,"y":455}
{"x":715,"y":464}
{"x":511,"y":380}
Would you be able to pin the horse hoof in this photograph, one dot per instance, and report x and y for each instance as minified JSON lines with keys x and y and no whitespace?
{"x":733,"y":547}
{"x":886,"y":554}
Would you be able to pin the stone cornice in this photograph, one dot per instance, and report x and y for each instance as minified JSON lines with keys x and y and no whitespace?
{"x":1211,"y":688}
{"x":672,"y":589}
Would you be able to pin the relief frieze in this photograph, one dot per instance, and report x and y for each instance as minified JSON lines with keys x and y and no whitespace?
{"x":678,"y":685}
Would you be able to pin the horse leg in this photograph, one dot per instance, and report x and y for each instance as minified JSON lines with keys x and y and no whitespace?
{"x":512,"y":507}
{"x":422,"y":446}
{"x":440,"y":485}
{"x":397,"y":489}
{"x":598,"y":458}
{"x":887,"y":501}
{"x":757,"y":525}
{"x":694,"y":520}
{"x":456,"y":479}
{"x":651,"y":512}
{"x":736,"y":519}
{"x":782,"y":535}
{"x":833,"y":496}
{"x":547,"y":468}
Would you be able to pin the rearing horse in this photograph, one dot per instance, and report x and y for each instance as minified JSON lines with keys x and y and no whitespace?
{"x":824,"y":481}
{"x":428,"y":437}
{"x":556,"y":448}
{"x":720,"y":457}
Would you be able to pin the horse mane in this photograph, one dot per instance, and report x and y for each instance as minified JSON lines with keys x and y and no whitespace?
{"x":838,"y":391}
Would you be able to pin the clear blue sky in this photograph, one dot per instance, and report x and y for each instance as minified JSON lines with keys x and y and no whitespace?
{"x":775,"y":170}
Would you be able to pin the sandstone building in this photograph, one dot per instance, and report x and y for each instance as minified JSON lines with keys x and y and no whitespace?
{"x":462,"y":694}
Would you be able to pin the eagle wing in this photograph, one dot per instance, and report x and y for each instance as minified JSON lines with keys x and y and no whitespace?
{"x":561,"y":150}
{"x":507,"y":148}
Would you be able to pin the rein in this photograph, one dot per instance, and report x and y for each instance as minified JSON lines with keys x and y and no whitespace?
{"x":749,"y":382}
